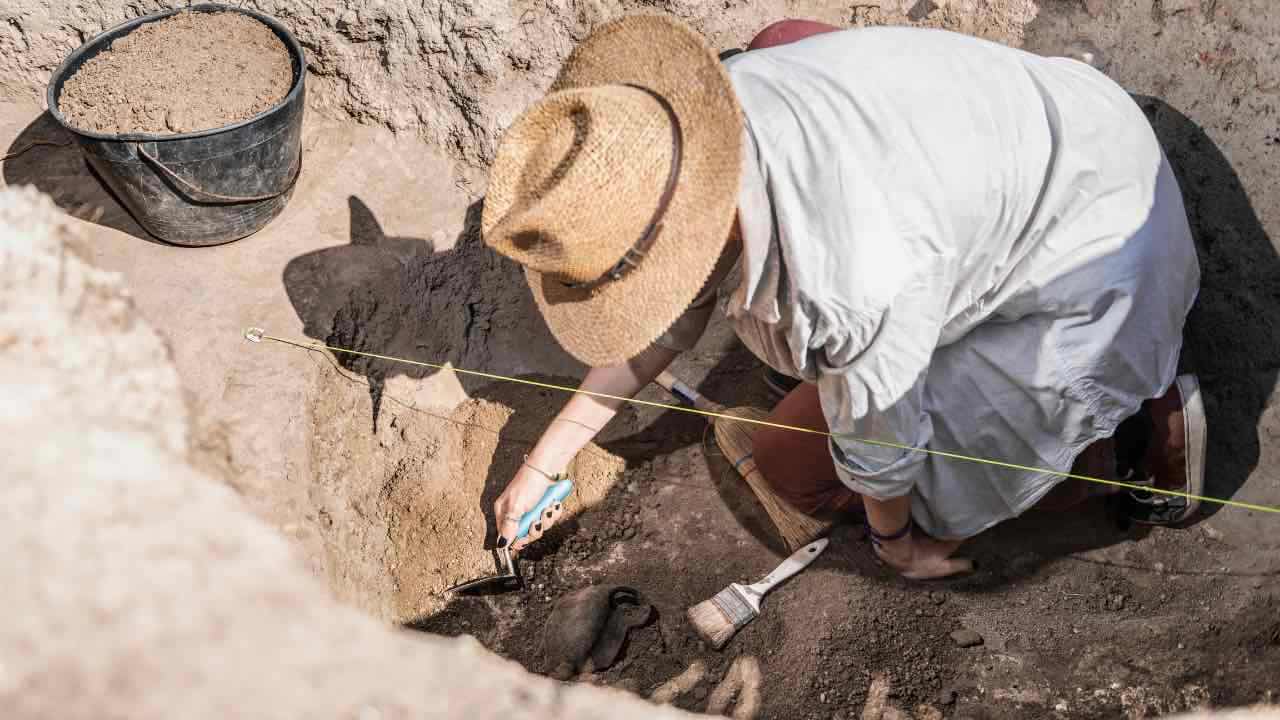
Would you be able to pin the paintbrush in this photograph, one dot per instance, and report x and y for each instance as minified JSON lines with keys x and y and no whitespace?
{"x":718,"y":618}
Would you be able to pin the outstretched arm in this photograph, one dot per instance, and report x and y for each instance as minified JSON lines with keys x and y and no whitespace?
{"x":576,"y":424}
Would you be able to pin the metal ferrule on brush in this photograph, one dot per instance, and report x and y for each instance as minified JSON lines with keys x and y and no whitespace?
{"x":736,"y":603}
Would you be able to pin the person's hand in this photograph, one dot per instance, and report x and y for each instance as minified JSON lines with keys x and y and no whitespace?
{"x":522,"y":495}
{"x":919,"y":557}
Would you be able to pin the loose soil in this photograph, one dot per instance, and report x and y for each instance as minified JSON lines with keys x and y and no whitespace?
{"x":1084,"y":624}
{"x":188,"y":72}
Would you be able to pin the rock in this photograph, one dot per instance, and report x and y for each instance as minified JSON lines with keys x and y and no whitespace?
{"x":1173,"y":7}
{"x":921,"y":10}
{"x":938,"y":597}
{"x":1211,"y":532}
{"x":1158,"y":567}
{"x":965,"y":637}
{"x":629,"y":533}
{"x":1087,"y":52}
{"x":1115,"y":602}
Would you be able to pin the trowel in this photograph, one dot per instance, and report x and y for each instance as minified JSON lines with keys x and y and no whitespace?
{"x":508,"y":579}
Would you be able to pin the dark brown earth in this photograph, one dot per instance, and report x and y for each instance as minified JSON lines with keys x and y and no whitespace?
{"x":1079,"y":617}
{"x":191,"y":71}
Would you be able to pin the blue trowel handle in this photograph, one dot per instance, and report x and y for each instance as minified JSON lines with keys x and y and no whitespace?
{"x":554,"y":494}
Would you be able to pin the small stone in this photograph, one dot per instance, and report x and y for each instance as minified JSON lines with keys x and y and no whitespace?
{"x":1158,"y":567}
{"x":946,"y":697}
{"x":1115,"y":602}
{"x":1211,"y":532}
{"x":1173,"y":7}
{"x":938,"y":597}
{"x":177,"y":121}
{"x":630,"y":533}
{"x":822,"y":698}
{"x":965,"y":637}
{"x":921,"y":10}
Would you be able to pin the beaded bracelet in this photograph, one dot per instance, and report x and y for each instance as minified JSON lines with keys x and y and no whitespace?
{"x":543,"y":473}
{"x":877,"y":539}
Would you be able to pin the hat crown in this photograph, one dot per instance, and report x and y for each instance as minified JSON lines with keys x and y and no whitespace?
{"x":577,"y":179}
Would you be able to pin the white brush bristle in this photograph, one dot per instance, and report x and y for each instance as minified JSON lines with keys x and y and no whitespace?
{"x":718,"y":618}
{"x":711,"y":624}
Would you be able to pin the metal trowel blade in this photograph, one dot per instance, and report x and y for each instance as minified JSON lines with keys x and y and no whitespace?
{"x":488,"y":585}
{"x":494,"y":584}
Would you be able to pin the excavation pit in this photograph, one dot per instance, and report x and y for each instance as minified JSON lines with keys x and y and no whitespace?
{"x":376,"y":477}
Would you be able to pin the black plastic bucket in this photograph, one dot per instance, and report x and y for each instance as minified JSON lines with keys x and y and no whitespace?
{"x":199,"y":188}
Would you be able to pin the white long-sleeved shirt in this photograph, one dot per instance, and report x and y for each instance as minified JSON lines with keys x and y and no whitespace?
{"x":968,"y":248}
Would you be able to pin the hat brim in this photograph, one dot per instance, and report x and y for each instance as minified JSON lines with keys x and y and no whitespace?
{"x":618,"y":320}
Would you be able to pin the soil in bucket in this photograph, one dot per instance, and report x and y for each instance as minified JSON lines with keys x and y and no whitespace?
{"x":188,"y":72}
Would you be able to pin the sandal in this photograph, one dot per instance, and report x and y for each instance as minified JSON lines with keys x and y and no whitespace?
{"x":1179,"y":466}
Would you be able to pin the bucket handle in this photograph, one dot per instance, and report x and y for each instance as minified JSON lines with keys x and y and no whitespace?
{"x":202,"y":195}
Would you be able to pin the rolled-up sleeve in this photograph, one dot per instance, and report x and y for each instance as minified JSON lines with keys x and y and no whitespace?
{"x":874,"y":400}
{"x":875,"y":449}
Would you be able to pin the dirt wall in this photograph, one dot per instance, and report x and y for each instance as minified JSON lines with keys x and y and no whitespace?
{"x":458,"y":71}
{"x":134,"y":586}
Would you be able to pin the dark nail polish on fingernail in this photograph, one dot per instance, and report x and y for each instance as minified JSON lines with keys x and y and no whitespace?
{"x":549,"y":513}
{"x":557,"y":506}
{"x":502,"y":542}
{"x":538,"y":527}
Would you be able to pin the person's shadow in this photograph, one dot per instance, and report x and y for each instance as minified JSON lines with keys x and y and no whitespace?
{"x":1232,"y":338}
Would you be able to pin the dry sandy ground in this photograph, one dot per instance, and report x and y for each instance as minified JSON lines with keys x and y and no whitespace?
{"x":377,"y":251}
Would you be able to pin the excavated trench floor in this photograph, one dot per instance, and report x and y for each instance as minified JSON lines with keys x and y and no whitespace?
{"x":382,"y":474}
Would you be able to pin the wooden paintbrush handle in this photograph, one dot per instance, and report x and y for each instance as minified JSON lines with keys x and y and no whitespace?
{"x":798,"y":561}
{"x":684,"y":392}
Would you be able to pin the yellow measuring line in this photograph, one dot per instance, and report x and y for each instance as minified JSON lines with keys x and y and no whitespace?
{"x":257,"y":335}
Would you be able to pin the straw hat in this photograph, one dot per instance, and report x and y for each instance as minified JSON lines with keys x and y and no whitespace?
{"x":617,"y":191}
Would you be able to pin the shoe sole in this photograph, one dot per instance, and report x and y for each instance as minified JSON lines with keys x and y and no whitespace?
{"x":1195,"y":435}
{"x":1195,"y":427}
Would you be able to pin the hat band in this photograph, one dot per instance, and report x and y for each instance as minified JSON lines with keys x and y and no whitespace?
{"x":634,"y":254}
